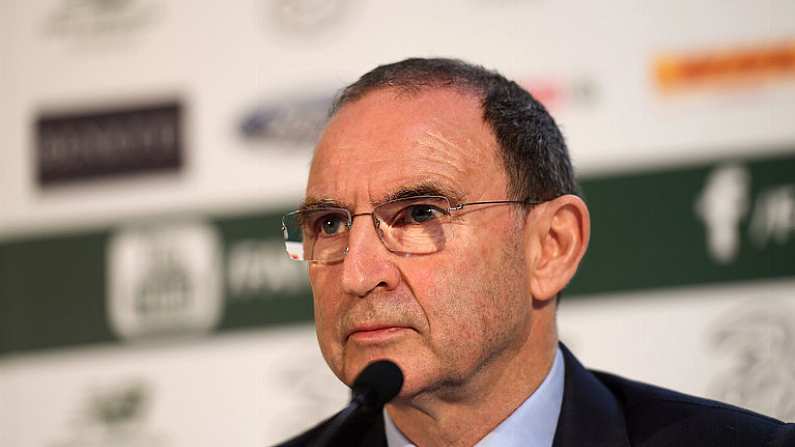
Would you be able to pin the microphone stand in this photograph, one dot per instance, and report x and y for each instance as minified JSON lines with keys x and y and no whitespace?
{"x":334,"y":427}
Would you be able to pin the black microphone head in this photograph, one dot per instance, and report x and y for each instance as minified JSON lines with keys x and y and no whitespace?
{"x":378,"y":383}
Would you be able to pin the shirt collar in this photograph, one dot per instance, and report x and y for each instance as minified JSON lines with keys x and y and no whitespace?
{"x":533,"y":423}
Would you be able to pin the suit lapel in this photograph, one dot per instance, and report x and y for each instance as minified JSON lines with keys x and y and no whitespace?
{"x":590,"y":414}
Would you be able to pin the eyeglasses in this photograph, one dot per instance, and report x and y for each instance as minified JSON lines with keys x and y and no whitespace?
{"x":410,"y":226}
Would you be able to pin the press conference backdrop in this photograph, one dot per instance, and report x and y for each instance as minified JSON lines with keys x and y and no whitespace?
{"x":148,"y":148}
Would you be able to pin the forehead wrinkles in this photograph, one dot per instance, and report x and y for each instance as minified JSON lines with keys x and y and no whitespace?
{"x":432,"y":157}
{"x":442,"y":141}
{"x":462,"y":148}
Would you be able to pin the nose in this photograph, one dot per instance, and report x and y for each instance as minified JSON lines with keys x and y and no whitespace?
{"x":367,"y":266}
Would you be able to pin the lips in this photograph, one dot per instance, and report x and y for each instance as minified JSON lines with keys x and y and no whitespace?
{"x":375,"y":332}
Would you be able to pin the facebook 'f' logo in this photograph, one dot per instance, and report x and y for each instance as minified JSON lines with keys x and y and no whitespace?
{"x":722,"y":205}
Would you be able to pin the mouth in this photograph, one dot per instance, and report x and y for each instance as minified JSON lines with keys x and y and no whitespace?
{"x":376,"y":333}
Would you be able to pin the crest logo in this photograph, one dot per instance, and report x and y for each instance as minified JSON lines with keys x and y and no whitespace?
{"x":760,"y":341}
{"x":164,"y":280}
{"x":88,"y":20}
{"x":115,"y":415}
{"x":306,"y":17}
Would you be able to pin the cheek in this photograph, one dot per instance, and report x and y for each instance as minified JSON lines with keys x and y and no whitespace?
{"x":476,"y":294}
{"x":451,"y":293}
{"x":326,"y":311}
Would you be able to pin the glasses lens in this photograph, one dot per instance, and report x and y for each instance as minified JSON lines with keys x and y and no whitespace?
{"x":316,"y":235}
{"x":417,"y":225}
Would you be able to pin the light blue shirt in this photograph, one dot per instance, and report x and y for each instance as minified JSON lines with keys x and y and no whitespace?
{"x":532,"y":424}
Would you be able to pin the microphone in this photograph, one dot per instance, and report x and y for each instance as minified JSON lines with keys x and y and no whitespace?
{"x":378,"y":383}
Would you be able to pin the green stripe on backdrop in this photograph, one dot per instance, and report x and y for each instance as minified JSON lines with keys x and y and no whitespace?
{"x":51,"y":292}
{"x":648,"y":233}
{"x":257,"y":304}
{"x":719,"y":222}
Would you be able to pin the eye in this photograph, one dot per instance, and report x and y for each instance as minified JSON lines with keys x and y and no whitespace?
{"x":330,"y":224}
{"x":417,"y":214}
{"x":422,"y":213}
{"x":325,"y":223}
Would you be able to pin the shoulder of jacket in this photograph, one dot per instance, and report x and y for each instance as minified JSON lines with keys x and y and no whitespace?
{"x":656,"y":415}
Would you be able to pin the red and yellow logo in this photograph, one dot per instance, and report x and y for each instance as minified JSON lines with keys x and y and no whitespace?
{"x":673,"y":72}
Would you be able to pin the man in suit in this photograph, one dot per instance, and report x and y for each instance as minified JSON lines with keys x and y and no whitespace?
{"x":441,"y":222}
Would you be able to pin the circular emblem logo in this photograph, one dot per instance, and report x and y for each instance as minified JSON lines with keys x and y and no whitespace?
{"x":164,"y":280}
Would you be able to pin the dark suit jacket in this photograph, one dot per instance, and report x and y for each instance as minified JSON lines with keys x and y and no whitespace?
{"x":603,"y":410}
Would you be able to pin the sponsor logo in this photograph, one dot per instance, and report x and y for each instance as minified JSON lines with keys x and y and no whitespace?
{"x":85,"y":145}
{"x":164,"y":280}
{"x":760,"y":343}
{"x":114,"y":415}
{"x":294,"y":123}
{"x":557,"y":94}
{"x":257,"y":268}
{"x":725,"y":204}
{"x":676,"y":71}
{"x":89,"y":20}
{"x":722,"y":205}
{"x":773,"y":221}
{"x":299,"y":122}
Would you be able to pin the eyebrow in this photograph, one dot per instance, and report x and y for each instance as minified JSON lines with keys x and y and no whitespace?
{"x":421,"y":189}
{"x":403,"y":192}
{"x":318,"y":203}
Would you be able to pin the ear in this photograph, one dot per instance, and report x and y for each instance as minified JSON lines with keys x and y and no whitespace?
{"x":559,"y":231}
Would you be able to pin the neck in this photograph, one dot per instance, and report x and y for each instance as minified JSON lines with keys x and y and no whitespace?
{"x":466,"y":413}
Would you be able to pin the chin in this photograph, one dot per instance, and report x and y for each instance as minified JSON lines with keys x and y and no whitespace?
{"x":418,"y":370}
{"x":416,"y":380}
{"x":353,"y":367}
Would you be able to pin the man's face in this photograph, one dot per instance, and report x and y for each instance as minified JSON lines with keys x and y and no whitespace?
{"x":444,"y":317}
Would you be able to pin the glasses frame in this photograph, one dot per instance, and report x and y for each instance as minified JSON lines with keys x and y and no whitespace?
{"x":377,"y":222}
